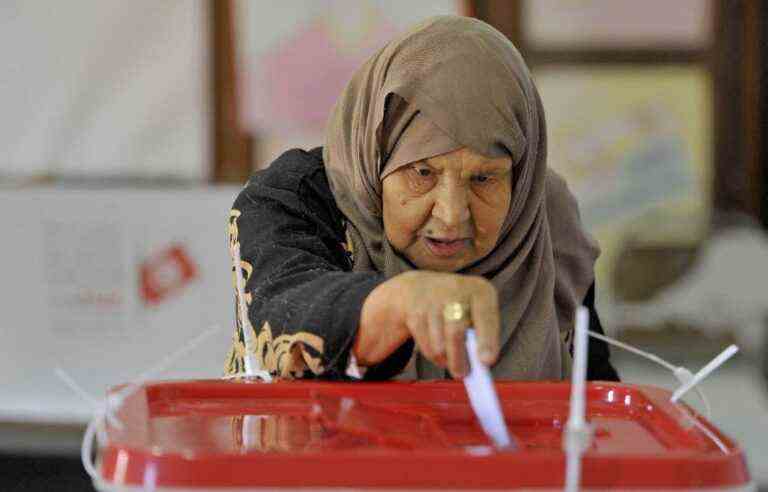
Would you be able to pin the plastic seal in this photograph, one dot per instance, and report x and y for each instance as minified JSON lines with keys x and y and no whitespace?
{"x":105,"y":409}
{"x":687,"y":379}
{"x":705,"y":371}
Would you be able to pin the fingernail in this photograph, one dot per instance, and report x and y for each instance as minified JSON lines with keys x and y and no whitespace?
{"x":487,"y":356}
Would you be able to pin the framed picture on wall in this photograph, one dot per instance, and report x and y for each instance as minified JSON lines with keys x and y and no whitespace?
{"x":631,"y":141}
{"x":296,"y":58}
{"x":617,"y":24}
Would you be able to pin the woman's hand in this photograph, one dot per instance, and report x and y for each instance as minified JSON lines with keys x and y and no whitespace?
{"x":412,"y":305}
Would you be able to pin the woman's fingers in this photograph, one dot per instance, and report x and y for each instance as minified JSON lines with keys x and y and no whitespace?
{"x":417,"y":325}
{"x":456,"y":351}
{"x":437,"y":336}
{"x":431,"y":345}
{"x":440,"y":334}
{"x":487,"y":323}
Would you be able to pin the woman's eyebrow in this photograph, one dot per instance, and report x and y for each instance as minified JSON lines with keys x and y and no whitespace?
{"x":424,"y":162}
{"x":494,"y":165}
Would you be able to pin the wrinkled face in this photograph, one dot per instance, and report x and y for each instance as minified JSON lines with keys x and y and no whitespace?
{"x":446,"y":212}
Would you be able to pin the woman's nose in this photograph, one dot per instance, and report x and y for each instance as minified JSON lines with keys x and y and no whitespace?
{"x":451,"y":205}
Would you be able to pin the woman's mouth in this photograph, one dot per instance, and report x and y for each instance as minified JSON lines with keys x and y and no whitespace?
{"x":445,"y":247}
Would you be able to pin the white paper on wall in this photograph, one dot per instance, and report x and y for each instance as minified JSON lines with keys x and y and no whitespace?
{"x":105,"y":88}
{"x":105,"y":283}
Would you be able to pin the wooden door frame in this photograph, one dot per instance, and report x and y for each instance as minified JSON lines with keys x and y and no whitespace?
{"x":231,"y":146}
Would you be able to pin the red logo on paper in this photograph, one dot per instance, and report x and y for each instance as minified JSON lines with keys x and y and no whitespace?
{"x":166,"y":273}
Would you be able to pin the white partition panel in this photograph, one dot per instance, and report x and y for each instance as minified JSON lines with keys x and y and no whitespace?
{"x":105,"y":283}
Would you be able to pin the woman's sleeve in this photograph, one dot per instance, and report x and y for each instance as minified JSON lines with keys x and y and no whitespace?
{"x":303,"y":305}
{"x":599,"y":367}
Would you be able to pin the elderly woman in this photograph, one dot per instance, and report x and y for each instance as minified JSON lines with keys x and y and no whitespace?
{"x":430,"y":210}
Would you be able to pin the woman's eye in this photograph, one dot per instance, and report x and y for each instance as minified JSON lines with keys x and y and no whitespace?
{"x":421,"y":178}
{"x":481,"y":178}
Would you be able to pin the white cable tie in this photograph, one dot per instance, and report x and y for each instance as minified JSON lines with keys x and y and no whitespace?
{"x":86,"y":449}
{"x":682,"y":374}
{"x":634,"y":350}
{"x":685,"y":376}
{"x":116,"y":399}
{"x":705,"y":371}
{"x":693,"y":420}
{"x":95,"y":404}
{"x":578,"y":433}
{"x":76,"y":388}
{"x":252,"y":366}
{"x":95,"y":428}
{"x":105,"y":411}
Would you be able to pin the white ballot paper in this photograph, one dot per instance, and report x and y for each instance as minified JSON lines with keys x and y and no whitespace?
{"x":483,"y":397}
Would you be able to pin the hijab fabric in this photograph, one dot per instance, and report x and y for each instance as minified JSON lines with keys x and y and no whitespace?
{"x":451,"y":82}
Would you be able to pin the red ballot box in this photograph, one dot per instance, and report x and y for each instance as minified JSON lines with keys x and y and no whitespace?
{"x":235,"y":435}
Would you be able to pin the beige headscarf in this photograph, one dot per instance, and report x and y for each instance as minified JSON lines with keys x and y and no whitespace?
{"x":468,"y":80}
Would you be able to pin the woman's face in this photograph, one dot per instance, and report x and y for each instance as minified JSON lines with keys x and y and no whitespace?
{"x":446,"y":212}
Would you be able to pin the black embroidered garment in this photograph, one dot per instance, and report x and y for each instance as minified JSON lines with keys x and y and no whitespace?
{"x":302,"y":298}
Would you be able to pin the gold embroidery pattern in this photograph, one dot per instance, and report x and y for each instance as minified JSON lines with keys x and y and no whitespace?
{"x":288,"y":355}
{"x":235,"y":358}
{"x":349,"y":245}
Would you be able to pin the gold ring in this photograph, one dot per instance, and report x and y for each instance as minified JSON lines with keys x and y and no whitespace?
{"x":455,"y":311}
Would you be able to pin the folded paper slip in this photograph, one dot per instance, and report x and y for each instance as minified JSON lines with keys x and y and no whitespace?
{"x":229,"y":435}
